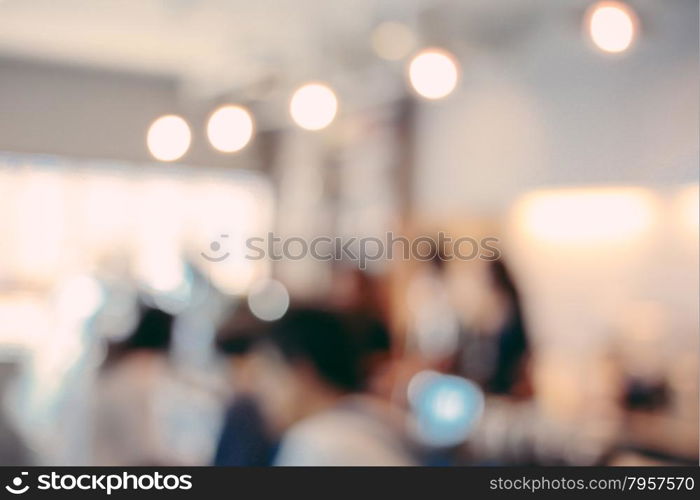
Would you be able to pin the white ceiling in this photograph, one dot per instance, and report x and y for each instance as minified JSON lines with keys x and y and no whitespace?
{"x":204,"y":40}
{"x":214,"y":47}
{"x":215,"y":44}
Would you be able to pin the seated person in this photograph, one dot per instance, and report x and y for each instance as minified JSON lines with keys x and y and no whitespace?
{"x":311,"y":372}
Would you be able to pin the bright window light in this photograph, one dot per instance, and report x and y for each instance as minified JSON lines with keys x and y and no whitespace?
{"x":586,"y":216}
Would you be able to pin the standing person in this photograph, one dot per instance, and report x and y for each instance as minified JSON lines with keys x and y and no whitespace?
{"x":494,"y":344}
{"x":433,"y":329}
{"x":513,"y":349}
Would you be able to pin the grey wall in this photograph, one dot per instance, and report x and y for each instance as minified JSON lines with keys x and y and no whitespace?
{"x":550,"y":110}
{"x":92,"y":113}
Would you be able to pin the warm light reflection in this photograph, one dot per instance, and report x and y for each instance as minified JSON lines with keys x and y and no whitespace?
{"x":169,"y":138}
{"x":392,"y":41}
{"x":433,"y":73}
{"x":313,"y":106}
{"x":230,"y":128}
{"x":586,"y":216}
{"x":611,"y":26}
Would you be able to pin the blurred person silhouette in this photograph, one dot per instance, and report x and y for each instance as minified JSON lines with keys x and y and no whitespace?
{"x":13,"y":449}
{"x":357,"y":291}
{"x":312,"y":380}
{"x":127,"y":431}
{"x":245,"y":439}
{"x":363,"y":297}
{"x":510,"y":375}
{"x":433,"y":328}
{"x":145,"y":414}
{"x":494,"y":347}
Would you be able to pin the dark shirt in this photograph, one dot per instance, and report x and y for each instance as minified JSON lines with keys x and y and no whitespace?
{"x":244,"y":440}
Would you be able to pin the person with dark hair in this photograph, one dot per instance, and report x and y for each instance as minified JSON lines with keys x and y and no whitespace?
{"x":126,"y":427}
{"x":364,"y":298}
{"x":152,"y":335}
{"x":495,"y":348}
{"x":312,"y":375}
{"x":144,"y":408}
{"x":513,"y":345}
{"x":245,"y":439}
{"x":357,"y":291}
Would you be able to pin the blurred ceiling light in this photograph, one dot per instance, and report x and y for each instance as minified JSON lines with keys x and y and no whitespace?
{"x":611,"y":26}
{"x":313,"y":106}
{"x":230,"y":128}
{"x":392,"y":41}
{"x":268,"y":300}
{"x":586,"y":216}
{"x":433,"y":73}
{"x":169,"y":138}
